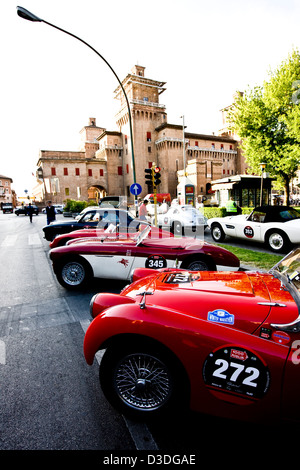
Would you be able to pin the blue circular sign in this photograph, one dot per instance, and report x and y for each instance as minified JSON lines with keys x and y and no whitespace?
{"x":135,"y":189}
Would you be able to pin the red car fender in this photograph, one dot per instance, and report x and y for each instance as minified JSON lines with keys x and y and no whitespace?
{"x":102,"y":301}
{"x":150,"y":321}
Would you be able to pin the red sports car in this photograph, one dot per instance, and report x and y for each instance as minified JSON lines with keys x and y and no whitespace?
{"x":226,"y":344}
{"x":80,"y":260}
{"x":98,"y":233}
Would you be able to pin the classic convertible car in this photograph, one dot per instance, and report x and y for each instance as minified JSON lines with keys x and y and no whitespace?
{"x":80,"y":260}
{"x":277,"y":226}
{"x":93,"y":218}
{"x":226,"y":344}
{"x":112,"y":232}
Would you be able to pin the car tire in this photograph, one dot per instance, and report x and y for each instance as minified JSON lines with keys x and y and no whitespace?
{"x":73,"y":273}
{"x":277,"y":241}
{"x":199,"y":265}
{"x":217,"y":233}
{"x":141,"y":381}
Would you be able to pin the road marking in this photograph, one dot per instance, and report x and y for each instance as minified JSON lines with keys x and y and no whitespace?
{"x":2,"y":353}
{"x":9,"y":240}
{"x":141,"y":436}
{"x":34,"y":239}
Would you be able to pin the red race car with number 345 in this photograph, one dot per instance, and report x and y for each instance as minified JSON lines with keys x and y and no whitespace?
{"x":222,"y":343}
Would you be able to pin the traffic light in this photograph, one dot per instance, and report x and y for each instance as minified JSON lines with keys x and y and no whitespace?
{"x":157,"y":176}
{"x":149,"y":177}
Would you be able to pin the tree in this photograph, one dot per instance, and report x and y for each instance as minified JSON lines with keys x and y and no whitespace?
{"x":267,"y":119}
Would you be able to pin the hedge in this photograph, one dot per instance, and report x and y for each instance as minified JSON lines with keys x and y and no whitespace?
{"x":77,"y":206}
{"x":210,"y":212}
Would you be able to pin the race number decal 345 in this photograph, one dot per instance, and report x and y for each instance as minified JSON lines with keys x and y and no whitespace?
{"x":237,"y":370}
{"x":156,"y":262}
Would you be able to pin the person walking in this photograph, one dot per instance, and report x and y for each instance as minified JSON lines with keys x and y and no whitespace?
{"x":50,"y":211}
{"x":143,"y":210}
{"x":30,"y":212}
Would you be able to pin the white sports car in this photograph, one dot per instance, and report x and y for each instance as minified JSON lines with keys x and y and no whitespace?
{"x":277,"y":226}
{"x":182,"y":220}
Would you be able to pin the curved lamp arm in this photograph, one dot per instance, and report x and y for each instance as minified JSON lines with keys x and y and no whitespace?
{"x":27,"y":15}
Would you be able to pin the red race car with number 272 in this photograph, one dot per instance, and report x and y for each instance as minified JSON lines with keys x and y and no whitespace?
{"x":226,"y":344}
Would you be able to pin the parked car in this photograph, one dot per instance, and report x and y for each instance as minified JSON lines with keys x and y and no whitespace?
{"x":114,"y":201}
{"x":24,"y":210}
{"x":80,"y":260}
{"x":225,"y":344}
{"x":7,"y":208}
{"x":111,"y":232}
{"x":58,"y":208}
{"x":182,"y":219}
{"x":92,"y":218}
{"x":276,"y":226}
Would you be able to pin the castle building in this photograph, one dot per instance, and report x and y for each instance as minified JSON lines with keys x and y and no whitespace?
{"x":103,"y":163}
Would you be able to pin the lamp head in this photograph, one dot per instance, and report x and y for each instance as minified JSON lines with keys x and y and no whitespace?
{"x":27,"y":15}
{"x":262,"y":166}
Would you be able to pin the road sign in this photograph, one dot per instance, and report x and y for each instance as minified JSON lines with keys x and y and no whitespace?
{"x":135,"y":189}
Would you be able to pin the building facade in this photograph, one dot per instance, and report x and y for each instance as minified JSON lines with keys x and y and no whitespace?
{"x":6,"y":193}
{"x":104,"y":163}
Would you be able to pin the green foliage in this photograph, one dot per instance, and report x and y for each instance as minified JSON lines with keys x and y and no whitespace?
{"x":267,"y":119}
{"x":211,"y":212}
{"x":71,"y":205}
{"x":254,"y":260}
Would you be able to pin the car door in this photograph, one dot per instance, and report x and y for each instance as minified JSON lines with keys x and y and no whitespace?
{"x":89,"y":219}
{"x":112,"y":260}
{"x":250,"y":228}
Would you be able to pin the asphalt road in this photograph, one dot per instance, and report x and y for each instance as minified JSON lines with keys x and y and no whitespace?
{"x":50,"y":399}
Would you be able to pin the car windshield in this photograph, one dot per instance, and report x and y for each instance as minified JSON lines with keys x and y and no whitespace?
{"x":288,"y":269}
{"x":143,"y":234}
{"x":273,"y":214}
{"x":289,"y":214}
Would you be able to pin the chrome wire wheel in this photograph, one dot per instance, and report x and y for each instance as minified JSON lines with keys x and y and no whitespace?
{"x":142,"y":382}
{"x":73,"y":273}
{"x":198,"y":265}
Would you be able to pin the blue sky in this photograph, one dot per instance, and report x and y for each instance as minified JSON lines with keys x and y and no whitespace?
{"x":51,"y":84}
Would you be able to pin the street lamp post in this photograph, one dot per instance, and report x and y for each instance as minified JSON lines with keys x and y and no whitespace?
{"x":183,"y":140}
{"x":262,"y":167}
{"x":27,"y":15}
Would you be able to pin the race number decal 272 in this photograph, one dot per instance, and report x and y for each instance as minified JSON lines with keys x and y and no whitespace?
{"x":236,"y":370}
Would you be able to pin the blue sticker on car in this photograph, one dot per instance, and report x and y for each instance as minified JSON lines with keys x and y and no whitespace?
{"x":221,"y":316}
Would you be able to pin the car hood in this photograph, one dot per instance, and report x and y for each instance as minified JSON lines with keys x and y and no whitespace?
{"x":174,"y":243}
{"x":61,"y":223}
{"x":243,"y":301}
{"x":228,"y":218}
